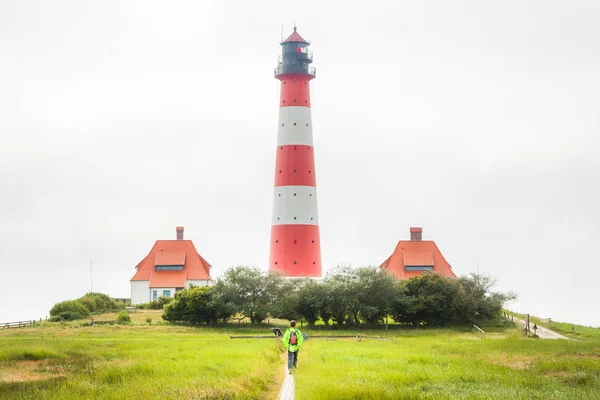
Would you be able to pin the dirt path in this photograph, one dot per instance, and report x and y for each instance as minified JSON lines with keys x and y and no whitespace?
{"x":543,"y":333}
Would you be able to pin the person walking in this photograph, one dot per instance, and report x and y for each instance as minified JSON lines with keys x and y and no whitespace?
{"x":292,"y":341}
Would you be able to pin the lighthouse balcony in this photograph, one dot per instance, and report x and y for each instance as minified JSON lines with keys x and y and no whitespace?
{"x":301,"y":69}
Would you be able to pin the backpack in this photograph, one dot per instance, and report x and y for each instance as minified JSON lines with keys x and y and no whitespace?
{"x":293,"y":338}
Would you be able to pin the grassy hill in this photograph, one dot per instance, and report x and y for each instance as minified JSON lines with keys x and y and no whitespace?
{"x":140,"y":361}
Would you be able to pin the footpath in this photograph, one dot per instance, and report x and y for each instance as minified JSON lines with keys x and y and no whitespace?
{"x":542,"y":332}
{"x":287,"y":389}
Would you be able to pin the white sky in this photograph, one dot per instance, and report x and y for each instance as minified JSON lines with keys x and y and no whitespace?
{"x":478,"y":121}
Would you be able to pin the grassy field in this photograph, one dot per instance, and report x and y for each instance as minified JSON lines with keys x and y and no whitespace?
{"x":446,"y":364}
{"x":134,"y":362}
{"x":71,"y":361}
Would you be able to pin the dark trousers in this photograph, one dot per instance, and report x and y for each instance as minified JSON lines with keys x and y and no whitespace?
{"x":292,"y":358}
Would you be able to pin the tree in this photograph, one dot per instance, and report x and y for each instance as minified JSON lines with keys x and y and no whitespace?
{"x":252,"y":293}
{"x":433,"y":300}
{"x":308,"y":297}
{"x":376,"y":291}
{"x":337,"y":284}
{"x":191,"y":305}
{"x":476,"y":302}
{"x":359,"y":294}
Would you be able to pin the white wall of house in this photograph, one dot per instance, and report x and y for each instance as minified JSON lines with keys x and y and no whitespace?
{"x":196,"y":283}
{"x":161,"y":292}
{"x":140,"y":292}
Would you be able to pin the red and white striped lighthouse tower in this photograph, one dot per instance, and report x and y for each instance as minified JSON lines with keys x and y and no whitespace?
{"x":295,"y":243}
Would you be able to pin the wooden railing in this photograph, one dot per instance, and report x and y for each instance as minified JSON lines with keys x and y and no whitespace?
{"x":477,"y":329}
{"x":17,"y":324}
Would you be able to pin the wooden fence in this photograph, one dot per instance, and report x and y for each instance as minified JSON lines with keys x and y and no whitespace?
{"x":477,"y":329}
{"x":17,"y":324}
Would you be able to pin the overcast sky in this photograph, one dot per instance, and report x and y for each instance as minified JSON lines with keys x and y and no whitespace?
{"x":477,"y":120}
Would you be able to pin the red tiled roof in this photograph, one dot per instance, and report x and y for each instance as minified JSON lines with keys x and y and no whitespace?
{"x":168,"y":279}
{"x":416,"y":253}
{"x":194,"y":268}
{"x":418,"y":259}
{"x":169,"y":258}
{"x":295,"y":37}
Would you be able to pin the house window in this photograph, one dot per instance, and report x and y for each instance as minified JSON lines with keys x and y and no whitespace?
{"x":154,"y":295}
{"x":166,"y":293}
{"x":168,"y":267}
{"x":418,"y":268}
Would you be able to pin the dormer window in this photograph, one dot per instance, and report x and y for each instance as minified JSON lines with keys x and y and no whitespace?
{"x":168,"y":267}
{"x":418,"y":268}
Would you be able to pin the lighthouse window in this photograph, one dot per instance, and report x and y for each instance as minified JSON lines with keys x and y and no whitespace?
{"x":294,"y":262}
{"x":306,"y":101}
{"x":295,"y":218}
{"x":314,"y":263}
{"x":294,"y":170}
{"x":294,"y":82}
{"x":279,"y":194}
{"x":313,"y":241}
{"x":284,"y":101}
{"x":279,"y":171}
{"x":284,"y":124}
{"x":294,"y":124}
{"x":306,"y":124}
{"x":277,"y":241}
{"x":294,"y":194}
{"x":295,"y":100}
{"x":309,"y":171}
{"x":275,"y":262}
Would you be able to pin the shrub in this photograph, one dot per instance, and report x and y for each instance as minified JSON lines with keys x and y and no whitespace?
{"x":68,"y":310}
{"x":99,"y":303}
{"x":156,"y":304}
{"x":123,"y":318}
{"x":149,"y":320}
{"x":191,"y":305}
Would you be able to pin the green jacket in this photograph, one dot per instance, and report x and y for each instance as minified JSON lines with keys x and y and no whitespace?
{"x":286,"y":340}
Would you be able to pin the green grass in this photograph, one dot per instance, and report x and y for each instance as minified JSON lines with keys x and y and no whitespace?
{"x":134,"y":362}
{"x":141,"y":361}
{"x":449,"y":364}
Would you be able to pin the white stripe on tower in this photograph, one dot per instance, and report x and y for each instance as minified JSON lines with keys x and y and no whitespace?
{"x":295,"y":126}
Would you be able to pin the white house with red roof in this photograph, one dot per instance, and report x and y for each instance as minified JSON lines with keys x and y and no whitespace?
{"x":171,"y":266}
{"x":415,"y":256}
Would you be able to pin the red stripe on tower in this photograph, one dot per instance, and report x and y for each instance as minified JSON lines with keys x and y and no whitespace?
{"x":295,"y":243}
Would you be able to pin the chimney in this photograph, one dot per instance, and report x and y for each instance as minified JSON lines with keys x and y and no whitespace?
{"x":416,"y":233}
{"x":179,"y":233}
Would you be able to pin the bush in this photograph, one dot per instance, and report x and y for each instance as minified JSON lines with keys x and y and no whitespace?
{"x":123,"y":318}
{"x":68,"y":310}
{"x":149,"y":320}
{"x":156,"y":304}
{"x":193,"y":305}
{"x":99,"y":303}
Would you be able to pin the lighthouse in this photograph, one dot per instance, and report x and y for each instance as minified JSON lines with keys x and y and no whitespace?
{"x":295,"y":243}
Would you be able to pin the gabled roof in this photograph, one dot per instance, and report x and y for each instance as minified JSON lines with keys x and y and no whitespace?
{"x":416,"y":253}
{"x":194,"y":267}
{"x":295,"y":37}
